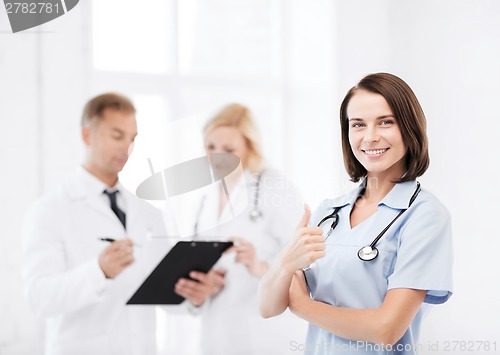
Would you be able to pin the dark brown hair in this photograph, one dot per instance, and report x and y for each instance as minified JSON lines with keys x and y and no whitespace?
{"x":409,"y":116}
{"x":94,"y":109}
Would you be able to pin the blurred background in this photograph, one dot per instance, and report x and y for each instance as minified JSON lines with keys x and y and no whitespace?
{"x":291,"y":62}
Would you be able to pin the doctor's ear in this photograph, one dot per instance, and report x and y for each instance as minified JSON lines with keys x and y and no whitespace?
{"x":86,"y":132}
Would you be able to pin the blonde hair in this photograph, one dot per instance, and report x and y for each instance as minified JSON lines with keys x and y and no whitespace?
{"x":240,"y":117}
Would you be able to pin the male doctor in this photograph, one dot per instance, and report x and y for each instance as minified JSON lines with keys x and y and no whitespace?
{"x":76,"y":276}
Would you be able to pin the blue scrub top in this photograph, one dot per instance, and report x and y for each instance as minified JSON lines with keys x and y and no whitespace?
{"x":416,"y":252}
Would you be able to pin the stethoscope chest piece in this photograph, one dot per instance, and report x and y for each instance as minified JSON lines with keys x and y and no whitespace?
{"x":367,"y":253}
{"x":255,"y":214}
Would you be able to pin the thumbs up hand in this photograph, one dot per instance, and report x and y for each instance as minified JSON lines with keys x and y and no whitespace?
{"x":307,"y":245}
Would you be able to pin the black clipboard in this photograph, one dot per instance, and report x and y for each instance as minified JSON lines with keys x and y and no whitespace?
{"x":184,"y":257}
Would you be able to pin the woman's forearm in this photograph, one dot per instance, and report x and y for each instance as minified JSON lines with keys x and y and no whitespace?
{"x":353,"y":324}
{"x":307,"y":246}
{"x":383,"y":325}
{"x":273,"y":291}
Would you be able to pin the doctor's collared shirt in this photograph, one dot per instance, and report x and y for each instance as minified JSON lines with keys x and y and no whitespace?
{"x":415,"y":252}
{"x":97,"y":187}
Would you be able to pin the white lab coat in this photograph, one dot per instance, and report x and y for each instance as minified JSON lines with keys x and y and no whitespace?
{"x":85,"y":312}
{"x":231,"y":323}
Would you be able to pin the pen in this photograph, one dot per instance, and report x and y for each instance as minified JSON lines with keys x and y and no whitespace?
{"x":111,"y":240}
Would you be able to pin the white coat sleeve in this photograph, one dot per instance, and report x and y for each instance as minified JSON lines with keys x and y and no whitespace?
{"x":51,"y":287}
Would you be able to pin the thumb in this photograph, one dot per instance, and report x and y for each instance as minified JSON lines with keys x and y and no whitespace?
{"x":304,"y":221}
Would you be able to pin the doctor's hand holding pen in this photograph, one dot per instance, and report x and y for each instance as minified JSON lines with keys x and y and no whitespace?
{"x":307,"y":246}
{"x":116,"y":257}
{"x":201,"y":286}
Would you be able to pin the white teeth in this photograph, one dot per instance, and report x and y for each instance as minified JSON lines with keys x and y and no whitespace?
{"x":375,"y":152}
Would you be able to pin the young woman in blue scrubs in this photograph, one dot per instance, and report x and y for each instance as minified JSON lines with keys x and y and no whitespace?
{"x":369,"y":306}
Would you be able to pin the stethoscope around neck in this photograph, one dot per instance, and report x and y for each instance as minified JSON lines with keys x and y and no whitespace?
{"x":255,"y":212}
{"x":368,"y":252}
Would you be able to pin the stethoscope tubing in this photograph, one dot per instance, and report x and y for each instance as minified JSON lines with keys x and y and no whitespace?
{"x":255,"y":213}
{"x":368,"y":252}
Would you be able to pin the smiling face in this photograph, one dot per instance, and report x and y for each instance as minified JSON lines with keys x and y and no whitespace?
{"x":375,"y":137}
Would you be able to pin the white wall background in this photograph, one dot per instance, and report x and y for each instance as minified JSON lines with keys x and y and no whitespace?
{"x":291,"y":61}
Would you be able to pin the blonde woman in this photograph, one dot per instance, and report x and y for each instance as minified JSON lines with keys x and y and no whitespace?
{"x":258,"y":210}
